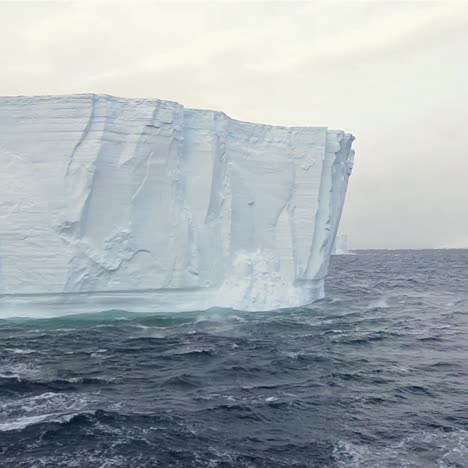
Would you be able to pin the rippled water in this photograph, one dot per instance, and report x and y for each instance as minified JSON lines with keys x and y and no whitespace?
{"x":374,"y":376}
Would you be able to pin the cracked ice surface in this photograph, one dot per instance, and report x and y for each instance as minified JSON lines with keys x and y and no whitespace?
{"x":142,"y":204}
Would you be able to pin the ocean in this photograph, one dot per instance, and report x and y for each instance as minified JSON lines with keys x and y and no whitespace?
{"x":374,"y":376}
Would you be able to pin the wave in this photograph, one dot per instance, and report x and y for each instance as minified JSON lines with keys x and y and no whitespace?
{"x":380,"y":303}
{"x":22,"y":351}
{"x":11,"y":384}
{"x":26,"y":421}
{"x":89,"y":417}
{"x":19,"y":413}
{"x":420,"y":449}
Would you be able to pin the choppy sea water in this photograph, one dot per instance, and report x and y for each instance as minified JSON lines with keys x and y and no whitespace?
{"x":374,"y":376}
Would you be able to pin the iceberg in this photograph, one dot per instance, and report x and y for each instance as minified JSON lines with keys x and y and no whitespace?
{"x":340,"y":246}
{"x":145,"y":205}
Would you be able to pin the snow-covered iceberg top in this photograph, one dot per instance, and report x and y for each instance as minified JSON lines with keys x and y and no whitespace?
{"x":142,"y":204}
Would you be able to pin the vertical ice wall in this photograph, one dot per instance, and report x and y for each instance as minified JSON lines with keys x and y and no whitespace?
{"x":104,"y":197}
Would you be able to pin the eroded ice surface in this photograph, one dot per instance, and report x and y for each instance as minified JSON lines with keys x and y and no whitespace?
{"x":143,"y":204}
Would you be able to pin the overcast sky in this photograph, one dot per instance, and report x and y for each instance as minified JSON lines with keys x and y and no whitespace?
{"x":394,"y":73}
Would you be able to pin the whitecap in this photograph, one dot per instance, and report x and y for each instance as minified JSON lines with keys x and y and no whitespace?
{"x":22,"y":351}
{"x":444,"y":449}
{"x":47,"y":407}
{"x":293,"y":354}
{"x":25,"y":421}
{"x":271,"y":399}
{"x":380,"y":303}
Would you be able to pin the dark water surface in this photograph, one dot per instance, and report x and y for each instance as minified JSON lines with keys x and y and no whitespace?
{"x":374,"y":376}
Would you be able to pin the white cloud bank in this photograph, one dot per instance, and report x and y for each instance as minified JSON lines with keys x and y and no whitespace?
{"x":394,"y":73}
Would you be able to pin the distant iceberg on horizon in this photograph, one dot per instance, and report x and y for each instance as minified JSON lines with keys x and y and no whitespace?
{"x":341,"y":245}
{"x":145,"y":205}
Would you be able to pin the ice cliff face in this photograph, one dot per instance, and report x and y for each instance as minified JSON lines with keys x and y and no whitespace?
{"x":146,"y":205}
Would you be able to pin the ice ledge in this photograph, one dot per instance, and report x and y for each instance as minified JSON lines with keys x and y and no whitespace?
{"x":170,"y":300}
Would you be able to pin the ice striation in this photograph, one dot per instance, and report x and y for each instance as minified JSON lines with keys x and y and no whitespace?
{"x":142,"y":204}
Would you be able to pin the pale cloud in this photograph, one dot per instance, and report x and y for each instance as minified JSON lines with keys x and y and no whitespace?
{"x":393,"y":72}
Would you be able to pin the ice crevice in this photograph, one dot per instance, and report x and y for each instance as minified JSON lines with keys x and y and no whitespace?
{"x":153,"y":206}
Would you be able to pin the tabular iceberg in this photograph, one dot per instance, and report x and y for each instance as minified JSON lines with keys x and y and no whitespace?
{"x":142,"y":204}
